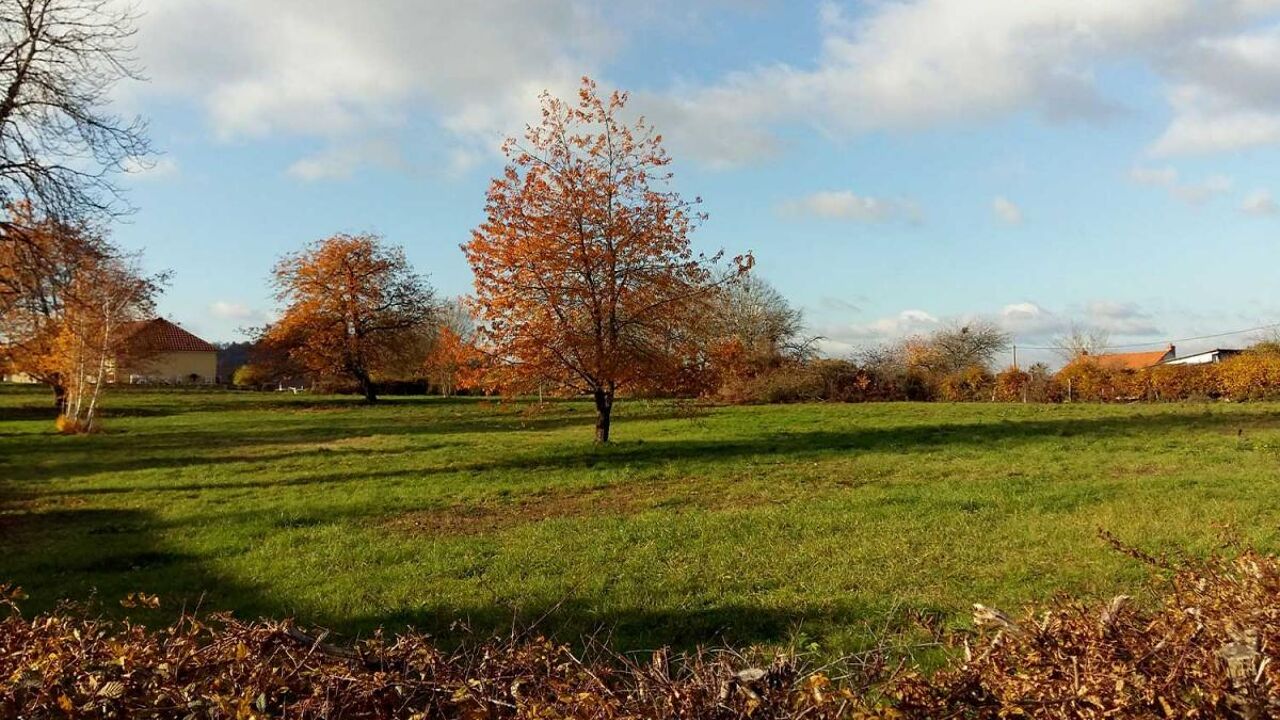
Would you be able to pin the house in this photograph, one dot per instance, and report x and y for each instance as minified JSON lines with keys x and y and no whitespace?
{"x":162,"y":352}
{"x":1134,"y":360}
{"x":1207,"y":357}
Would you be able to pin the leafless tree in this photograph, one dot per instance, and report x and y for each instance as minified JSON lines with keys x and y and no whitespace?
{"x":61,"y":146}
{"x":1080,"y":340}
{"x":959,"y":345}
{"x":751,"y":310}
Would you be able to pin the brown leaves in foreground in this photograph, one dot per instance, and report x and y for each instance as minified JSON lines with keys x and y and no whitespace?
{"x":1206,"y":650}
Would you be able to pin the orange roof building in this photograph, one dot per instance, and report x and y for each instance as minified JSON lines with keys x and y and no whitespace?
{"x":162,"y":352}
{"x":1134,"y":360}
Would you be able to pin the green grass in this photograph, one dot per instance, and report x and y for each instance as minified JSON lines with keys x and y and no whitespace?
{"x":752,"y":524}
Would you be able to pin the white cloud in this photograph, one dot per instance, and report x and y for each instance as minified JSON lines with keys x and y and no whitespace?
{"x":1160,"y":177}
{"x":840,"y":339}
{"x":1007,"y":211}
{"x":915,"y":64}
{"x":1226,"y":95}
{"x":1120,"y":318}
{"x":920,"y":63}
{"x":226,"y":310}
{"x":341,"y":162}
{"x":1027,"y":319}
{"x":847,"y":205}
{"x":1259,"y":202}
{"x":151,"y":168}
{"x":350,"y":71}
{"x":1190,"y":193}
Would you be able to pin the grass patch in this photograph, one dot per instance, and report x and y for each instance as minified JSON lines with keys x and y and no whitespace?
{"x":745,"y":524}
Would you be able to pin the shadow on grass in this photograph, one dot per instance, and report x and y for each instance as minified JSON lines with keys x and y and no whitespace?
{"x":640,"y":454}
{"x":101,"y":556}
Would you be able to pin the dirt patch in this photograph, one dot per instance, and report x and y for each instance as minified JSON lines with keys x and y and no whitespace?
{"x":621,"y":499}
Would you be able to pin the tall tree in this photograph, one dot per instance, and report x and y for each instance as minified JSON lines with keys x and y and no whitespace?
{"x":60,"y":144}
{"x":66,"y":297}
{"x":108,"y":299}
{"x":39,"y":274}
{"x":452,"y":357}
{"x":759,"y":318}
{"x":352,"y":307}
{"x":957,"y":346}
{"x":584,"y":275}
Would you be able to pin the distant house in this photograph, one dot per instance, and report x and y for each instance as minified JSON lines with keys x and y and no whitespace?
{"x":162,"y":352}
{"x":1133,"y":361}
{"x":1207,"y":357}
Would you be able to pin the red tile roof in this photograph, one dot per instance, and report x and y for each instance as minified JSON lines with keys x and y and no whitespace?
{"x":1133,"y":361}
{"x":160,"y":335}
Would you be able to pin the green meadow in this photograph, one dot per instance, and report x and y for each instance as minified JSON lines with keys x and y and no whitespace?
{"x":817,"y":523}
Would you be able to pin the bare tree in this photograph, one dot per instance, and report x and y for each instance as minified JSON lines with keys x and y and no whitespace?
{"x":1079,"y":341}
{"x":761,"y":319}
{"x":959,"y":345}
{"x":60,"y":144}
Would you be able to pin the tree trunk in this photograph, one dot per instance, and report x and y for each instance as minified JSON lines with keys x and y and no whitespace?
{"x":60,"y":397}
{"x":366,"y":386}
{"x":604,"y":409}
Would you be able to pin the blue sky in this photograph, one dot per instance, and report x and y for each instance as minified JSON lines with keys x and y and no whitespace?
{"x":892,"y":165}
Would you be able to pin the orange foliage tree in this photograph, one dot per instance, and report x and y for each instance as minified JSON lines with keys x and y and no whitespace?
{"x":353,"y":307}
{"x":584,"y":276}
{"x":450,"y":360}
{"x":66,"y":298}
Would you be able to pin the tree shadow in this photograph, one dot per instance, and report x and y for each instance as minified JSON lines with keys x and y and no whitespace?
{"x":101,"y":556}
{"x":635,"y":454}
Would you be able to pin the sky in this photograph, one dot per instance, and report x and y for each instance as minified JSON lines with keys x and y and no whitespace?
{"x":892,"y":164}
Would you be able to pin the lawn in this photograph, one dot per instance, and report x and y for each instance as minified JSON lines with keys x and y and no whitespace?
{"x":742,"y":524}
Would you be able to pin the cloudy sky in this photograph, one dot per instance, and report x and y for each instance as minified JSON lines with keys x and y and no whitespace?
{"x":893,"y":164}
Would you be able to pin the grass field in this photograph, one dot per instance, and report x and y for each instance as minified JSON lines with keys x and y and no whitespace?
{"x":745,"y":524}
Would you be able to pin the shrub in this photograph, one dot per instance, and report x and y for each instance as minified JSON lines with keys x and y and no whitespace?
{"x":970,"y":384}
{"x":844,"y":381}
{"x":785,"y":385}
{"x":250,"y":375}
{"x":67,"y":425}
{"x":1012,"y":385}
{"x":1206,"y":646}
{"x":1087,"y":381}
{"x":1182,"y":382}
{"x":1251,"y":375}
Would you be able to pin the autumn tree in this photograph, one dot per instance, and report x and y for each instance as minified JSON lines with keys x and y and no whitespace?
{"x":584,"y":275}
{"x":67,"y":296}
{"x":452,"y":356}
{"x":353,"y":307}
{"x":37,"y":274}
{"x":106,"y":301}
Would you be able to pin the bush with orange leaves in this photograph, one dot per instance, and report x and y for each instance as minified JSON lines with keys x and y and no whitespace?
{"x":1087,"y":381}
{"x":970,"y":384}
{"x":1251,"y":375}
{"x":1182,"y":382}
{"x":1207,"y":646}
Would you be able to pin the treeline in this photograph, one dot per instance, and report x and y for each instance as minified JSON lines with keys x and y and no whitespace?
{"x":885,"y":375}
